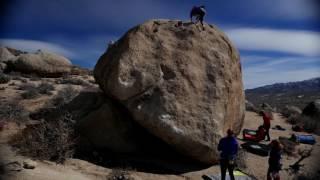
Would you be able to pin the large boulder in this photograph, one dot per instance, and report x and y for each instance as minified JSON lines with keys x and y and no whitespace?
{"x":182,"y":84}
{"x":42,"y":63}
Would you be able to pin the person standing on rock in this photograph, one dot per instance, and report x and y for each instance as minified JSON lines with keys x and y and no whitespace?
{"x":198,"y":12}
{"x":266,"y":123}
{"x":229,"y":149}
{"x":274,"y":160}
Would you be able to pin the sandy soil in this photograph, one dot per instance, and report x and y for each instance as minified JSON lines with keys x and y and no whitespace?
{"x":75,"y":169}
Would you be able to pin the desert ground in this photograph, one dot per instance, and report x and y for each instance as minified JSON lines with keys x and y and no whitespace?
{"x":77,"y":169}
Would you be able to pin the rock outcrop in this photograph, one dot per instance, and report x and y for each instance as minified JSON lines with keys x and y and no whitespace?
{"x":42,"y":63}
{"x":182,"y":84}
{"x":5,"y":55}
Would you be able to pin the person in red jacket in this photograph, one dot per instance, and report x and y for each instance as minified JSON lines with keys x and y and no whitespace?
{"x":266,"y":123}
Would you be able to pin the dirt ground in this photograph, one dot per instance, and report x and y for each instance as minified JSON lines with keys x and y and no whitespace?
{"x":75,"y":169}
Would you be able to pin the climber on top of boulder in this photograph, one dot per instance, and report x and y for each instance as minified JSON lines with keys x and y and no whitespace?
{"x":199,"y":12}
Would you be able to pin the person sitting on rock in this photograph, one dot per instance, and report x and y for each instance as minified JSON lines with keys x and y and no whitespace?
{"x":229,"y":149}
{"x":198,"y":12}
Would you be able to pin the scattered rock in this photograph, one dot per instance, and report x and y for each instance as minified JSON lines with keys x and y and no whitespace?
{"x":29,"y":164}
{"x":181,"y":84}
{"x":13,"y":166}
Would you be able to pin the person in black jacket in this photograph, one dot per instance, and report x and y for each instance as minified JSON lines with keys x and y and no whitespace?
{"x":274,"y":160}
{"x":198,"y":12}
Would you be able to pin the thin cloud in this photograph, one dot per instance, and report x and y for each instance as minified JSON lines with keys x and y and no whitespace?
{"x":34,"y":45}
{"x":263,"y":70}
{"x":297,"y":42}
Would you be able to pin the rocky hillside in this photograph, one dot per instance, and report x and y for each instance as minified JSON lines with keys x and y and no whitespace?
{"x":281,"y":94}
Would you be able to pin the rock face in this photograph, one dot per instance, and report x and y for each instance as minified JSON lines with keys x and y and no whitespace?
{"x":42,"y":63}
{"x":182,"y":84}
{"x":105,"y":125}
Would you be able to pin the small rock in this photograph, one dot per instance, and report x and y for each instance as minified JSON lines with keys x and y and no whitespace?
{"x":13,"y":166}
{"x":29,"y":164}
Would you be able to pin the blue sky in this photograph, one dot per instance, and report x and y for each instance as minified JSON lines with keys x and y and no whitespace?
{"x":278,"y":40}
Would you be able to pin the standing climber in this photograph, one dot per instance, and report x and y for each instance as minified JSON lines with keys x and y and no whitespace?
{"x":266,"y":123}
{"x":229,"y":148}
{"x":274,"y":160}
{"x":199,"y":12}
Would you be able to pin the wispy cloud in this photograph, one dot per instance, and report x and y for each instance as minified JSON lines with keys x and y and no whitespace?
{"x":263,"y":70}
{"x":34,"y":45}
{"x":297,"y":42}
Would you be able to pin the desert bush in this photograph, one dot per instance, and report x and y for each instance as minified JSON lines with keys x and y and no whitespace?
{"x":45,"y":88}
{"x":293,"y":119}
{"x":30,"y":91}
{"x":53,"y":140}
{"x":289,"y":146}
{"x":30,"y":94}
{"x":73,"y":81}
{"x":64,"y":96}
{"x":119,"y":174}
{"x":12,"y":111}
{"x":4,"y":79}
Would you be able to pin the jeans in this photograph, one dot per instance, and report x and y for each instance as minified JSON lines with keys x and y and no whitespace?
{"x":224,"y":165}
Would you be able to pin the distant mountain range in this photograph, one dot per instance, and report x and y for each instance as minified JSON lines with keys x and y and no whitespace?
{"x":280,"y":94}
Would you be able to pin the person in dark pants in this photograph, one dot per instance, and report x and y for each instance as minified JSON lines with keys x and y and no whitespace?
{"x":199,"y":12}
{"x":266,"y":123}
{"x":274,"y":160}
{"x":229,"y":148}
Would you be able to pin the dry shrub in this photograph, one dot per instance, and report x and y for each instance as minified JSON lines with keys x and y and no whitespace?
{"x":12,"y":111}
{"x":289,"y":146}
{"x":53,"y":140}
{"x":73,"y":81}
{"x":30,"y":91}
{"x":45,"y":88}
{"x":64,"y":96}
{"x":119,"y":174}
{"x":4,"y":79}
{"x":293,"y":119}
